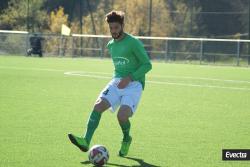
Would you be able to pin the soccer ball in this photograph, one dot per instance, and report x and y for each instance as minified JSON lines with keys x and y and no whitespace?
{"x":98,"y":155}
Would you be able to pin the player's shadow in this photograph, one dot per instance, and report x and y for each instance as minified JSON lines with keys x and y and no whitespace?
{"x":107,"y":165}
{"x":141,"y":163}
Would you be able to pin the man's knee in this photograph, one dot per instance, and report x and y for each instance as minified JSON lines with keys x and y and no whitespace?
{"x":124,"y":113}
{"x":101,"y":105}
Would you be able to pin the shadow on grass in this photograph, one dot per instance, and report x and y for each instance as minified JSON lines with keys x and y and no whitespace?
{"x":108,"y":164}
{"x":141,"y":163}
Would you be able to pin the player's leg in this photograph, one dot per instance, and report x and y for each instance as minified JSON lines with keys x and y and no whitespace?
{"x":107,"y":98}
{"x":82,"y":143}
{"x":100,"y":106}
{"x":129,"y":103}
{"x":123,"y":117}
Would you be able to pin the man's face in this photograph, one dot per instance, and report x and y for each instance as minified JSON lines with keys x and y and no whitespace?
{"x":116,"y":29}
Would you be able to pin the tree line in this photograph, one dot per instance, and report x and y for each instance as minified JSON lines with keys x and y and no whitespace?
{"x":180,"y":18}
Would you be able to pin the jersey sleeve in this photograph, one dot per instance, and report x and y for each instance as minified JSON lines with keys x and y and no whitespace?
{"x":142,"y":56}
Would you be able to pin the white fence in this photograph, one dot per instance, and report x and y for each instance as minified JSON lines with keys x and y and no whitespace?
{"x":184,"y":50}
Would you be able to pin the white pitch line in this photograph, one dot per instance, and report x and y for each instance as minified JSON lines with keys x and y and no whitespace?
{"x":167,"y":76}
{"x":202,"y":78}
{"x":151,"y":76}
{"x":160,"y":82}
{"x":34,"y":69}
{"x":89,"y":74}
{"x":196,"y":85}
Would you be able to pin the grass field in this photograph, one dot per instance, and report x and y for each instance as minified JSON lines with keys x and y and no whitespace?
{"x":187,"y":114}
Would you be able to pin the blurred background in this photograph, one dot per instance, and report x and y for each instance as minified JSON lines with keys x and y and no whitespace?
{"x":184,"y":20}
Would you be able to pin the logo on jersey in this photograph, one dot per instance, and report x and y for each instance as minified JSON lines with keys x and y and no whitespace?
{"x":120,"y":61}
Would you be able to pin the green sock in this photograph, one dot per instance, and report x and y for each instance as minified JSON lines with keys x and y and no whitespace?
{"x":125,"y":130}
{"x":92,"y":124}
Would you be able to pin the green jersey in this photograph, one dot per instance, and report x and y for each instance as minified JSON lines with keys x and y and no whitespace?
{"x":129,"y":58}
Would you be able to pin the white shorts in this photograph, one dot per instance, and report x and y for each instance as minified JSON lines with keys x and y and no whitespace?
{"x":129,"y":96}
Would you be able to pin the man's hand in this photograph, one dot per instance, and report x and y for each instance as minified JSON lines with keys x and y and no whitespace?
{"x":124,"y":82}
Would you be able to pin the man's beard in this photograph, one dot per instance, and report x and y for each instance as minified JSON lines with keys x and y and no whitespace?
{"x":118,"y":35}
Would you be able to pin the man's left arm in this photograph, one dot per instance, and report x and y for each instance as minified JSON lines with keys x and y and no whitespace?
{"x":145,"y":65}
{"x":142,"y":56}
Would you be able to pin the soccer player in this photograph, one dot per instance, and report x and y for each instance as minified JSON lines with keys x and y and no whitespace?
{"x":131,"y":63}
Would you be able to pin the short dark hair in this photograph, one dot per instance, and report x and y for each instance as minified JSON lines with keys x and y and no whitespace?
{"x":115,"y":16}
